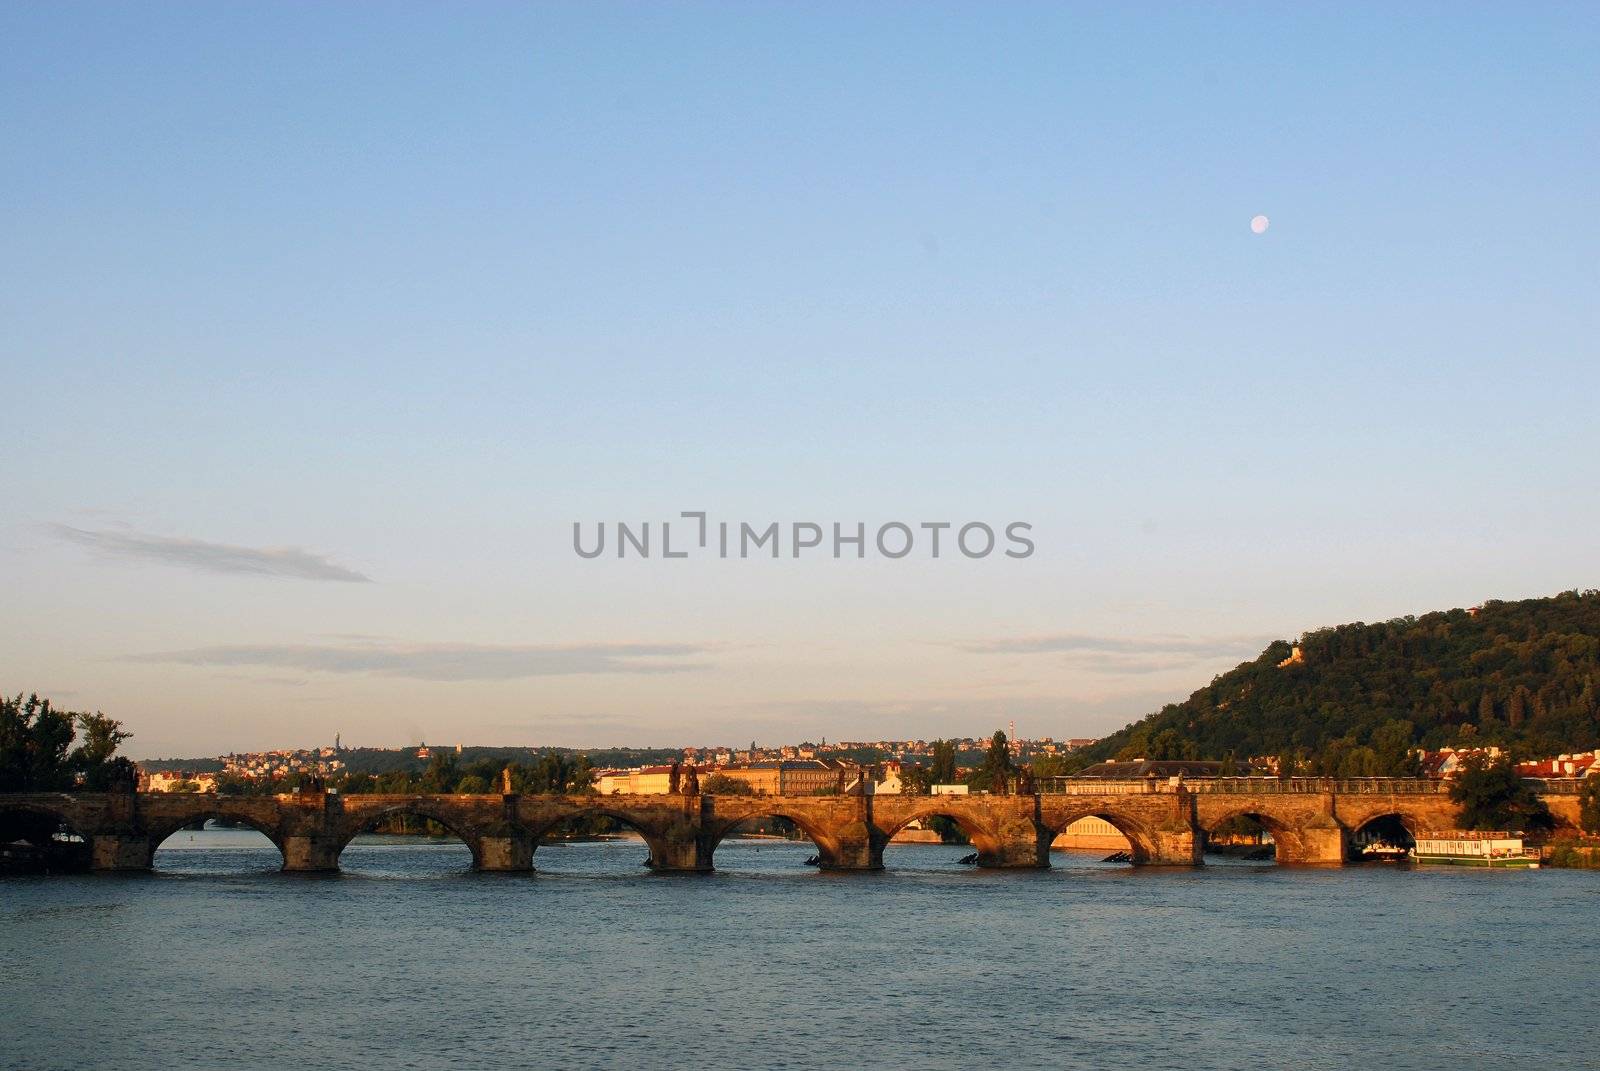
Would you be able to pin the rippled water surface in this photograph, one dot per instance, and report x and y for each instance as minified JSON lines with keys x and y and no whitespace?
{"x":409,"y":961}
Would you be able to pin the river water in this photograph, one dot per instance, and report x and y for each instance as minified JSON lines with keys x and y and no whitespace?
{"x":407,"y":960}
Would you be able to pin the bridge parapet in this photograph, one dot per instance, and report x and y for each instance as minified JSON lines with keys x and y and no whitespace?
{"x":1346,"y":786}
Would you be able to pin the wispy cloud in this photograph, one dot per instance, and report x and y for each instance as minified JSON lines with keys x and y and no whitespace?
{"x":289,"y":562}
{"x":1077,"y":714}
{"x":446,"y":661}
{"x":1125,"y":655}
{"x":1080,"y":643}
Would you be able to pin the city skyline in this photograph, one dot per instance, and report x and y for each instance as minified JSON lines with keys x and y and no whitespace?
{"x":323,"y":347}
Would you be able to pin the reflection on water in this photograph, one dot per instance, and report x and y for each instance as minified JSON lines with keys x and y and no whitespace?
{"x":409,"y":960}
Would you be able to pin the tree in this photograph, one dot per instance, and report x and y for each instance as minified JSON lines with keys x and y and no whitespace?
{"x":442,"y":773}
{"x":1486,"y":707}
{"x":1359,"y":762}
{"x":1517,"y":708}
{"x":1525,"y":675}
{"x":916,"y":780}
{"x":723,"y":785}
{"x":1170,"y":744}
{"x":35,"y":739}
{"x":1392,"y":743}
{"x":1492,"y":796}
{"x":995,"y":773}
{"x":943,"y":767}
{"x":1589,"y":804}
{"x":473,"y":785}
{"x":1049,"y":766}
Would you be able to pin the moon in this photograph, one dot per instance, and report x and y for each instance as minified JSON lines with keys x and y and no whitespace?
{"x":1260,"y":224}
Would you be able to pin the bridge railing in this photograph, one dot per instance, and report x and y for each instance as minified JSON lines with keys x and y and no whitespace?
{"x":1344,"y":786}
{"x":1252,"y":786}
{"x":1558,"y":786}
{"x":1092,"y":786}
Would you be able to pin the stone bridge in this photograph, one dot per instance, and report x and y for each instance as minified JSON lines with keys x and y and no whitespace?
{"x":1312,"y":822}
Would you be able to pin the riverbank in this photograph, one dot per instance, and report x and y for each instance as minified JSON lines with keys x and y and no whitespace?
{"x":1581,"y":854}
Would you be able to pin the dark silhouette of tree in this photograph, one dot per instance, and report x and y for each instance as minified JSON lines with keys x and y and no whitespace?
{"x":916,"y":780}
{"x":1492,"y":796}
{"x":442,"y":773}
{"x":1170,"y":744}
{"x":37,"y":753}
{"x":1589,"y":805}
{"x":723,"y":785}
{"x":995,"y":773}
{"x":1049,"y":766}
{"x":1392,"y":744}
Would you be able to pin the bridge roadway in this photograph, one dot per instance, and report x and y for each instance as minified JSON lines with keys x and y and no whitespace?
{"x":1311,"y":821}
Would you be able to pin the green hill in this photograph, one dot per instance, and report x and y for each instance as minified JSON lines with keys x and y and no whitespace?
{"x":1523,"y":675}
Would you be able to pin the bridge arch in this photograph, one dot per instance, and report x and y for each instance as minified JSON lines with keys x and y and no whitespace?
{"x":665,"y":851}
{"x":1392,"y":828}
{"x":1141,"y":839}
{"x":1395,"y":820}
{"x":828,"y":843}
{"x":161,"y":830}
{"x":56,"y":838}
{"x":990,"y":842}
{"x":1286,"y":839}
{"x":367,"y":820}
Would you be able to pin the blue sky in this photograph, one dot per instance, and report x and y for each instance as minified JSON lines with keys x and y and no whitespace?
{"x":321,"y":327}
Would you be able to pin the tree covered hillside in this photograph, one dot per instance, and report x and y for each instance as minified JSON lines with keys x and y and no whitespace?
{"x":1523,"y":675}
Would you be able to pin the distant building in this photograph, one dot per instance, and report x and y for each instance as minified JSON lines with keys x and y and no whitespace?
{"x":643,"y":781}
{"x":176,"y":780}
{"x":793,"y":777}
{"x":1583,"y":764}
{"x":1448,"y":762}
{"x":890,"y":784}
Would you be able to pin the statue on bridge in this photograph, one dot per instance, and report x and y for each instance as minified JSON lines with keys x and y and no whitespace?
{"x":691,"y":782}
{"x":505,"y":781}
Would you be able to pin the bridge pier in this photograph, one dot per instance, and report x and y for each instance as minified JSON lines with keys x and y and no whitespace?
{"x":1017,"y":846}
{"x":668,"y":858}
{"x":1314,"y":846}
{"x":855,"y":847}
{"x":678,"y":854}
{"x":511,"y":853}
{"x":310,"y":854}
{"x":120,"y":851}
{"x":1183,"y":847}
